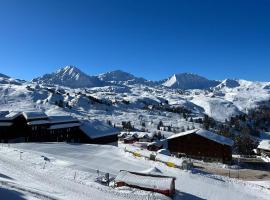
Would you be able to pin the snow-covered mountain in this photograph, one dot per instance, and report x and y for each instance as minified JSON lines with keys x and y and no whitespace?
{"x":229,"y":83}
{"x":189,"y":81}
{"x":3,"y":76}
{"x":121,"y":77}
{"x":69,"y":76}
{"x":127,"y":97}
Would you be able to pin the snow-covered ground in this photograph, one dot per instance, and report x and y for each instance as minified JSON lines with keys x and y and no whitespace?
{"x":127,"y":96}
{"x":71,"y":171}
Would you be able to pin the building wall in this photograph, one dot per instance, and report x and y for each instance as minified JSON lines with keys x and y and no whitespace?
{"x":199,"y":147}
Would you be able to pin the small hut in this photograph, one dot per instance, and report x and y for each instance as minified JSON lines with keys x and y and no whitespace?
{"x":145,"y":181}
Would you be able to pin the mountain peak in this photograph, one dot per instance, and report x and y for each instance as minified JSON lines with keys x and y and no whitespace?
{"x":116,"y":75}
{"x":69,"y":69}
{"x":189,"y":81}
{"x":69,"y":76}
{"x":3,"y":76}
{"x":229,"y":83}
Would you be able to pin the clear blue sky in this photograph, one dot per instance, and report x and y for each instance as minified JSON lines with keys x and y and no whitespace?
{"x":149,"y":38}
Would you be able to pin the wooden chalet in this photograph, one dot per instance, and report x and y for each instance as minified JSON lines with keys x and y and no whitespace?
{"x":12,"y":126}
{"x":201,"y":144}
{"x":96,"y":132}
{"x":38,"y":127}
{"x":148,"y":182}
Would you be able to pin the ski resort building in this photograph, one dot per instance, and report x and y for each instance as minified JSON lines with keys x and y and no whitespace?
{"x":63,"y":128}
{"x":12,"y":126}
{"x":39,"y":127}
{"x":38,"y":124}
{"x":155,"y":183}
{"x":96,"y":132}
{"x":201,"y":144}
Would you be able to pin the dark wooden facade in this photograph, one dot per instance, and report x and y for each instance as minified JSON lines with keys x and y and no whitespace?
{"x":37,"y":127}
{"x":82,"y":137}
{"x":16,"y":129}
{"x":196,"y":146}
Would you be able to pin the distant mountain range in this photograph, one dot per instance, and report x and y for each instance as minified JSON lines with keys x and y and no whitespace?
{"x":218,"y":99}
{"x":73,"y":77}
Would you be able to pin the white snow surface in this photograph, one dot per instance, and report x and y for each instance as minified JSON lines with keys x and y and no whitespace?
{"x":71,"y":171}
{"x":264,"y":144}
{"x":128,"y":101}
{"x":95,"y":129}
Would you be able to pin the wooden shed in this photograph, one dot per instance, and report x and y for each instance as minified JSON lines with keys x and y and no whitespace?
{"x":201,"y":144}
{"x":148,"y":182}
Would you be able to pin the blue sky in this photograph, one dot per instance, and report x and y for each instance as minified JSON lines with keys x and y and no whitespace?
{"x":149,"y":38}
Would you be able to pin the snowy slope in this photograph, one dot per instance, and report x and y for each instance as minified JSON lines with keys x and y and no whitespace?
{"x":69,"y":76}
{"x":123,"y":97}
{"x":71,"y":172}
{"x":121,"y":77}
{"x":189,"y":81}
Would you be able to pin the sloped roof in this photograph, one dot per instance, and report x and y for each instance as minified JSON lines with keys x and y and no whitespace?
{"x":264,"y":144}
{"x":206,"y":134}
{"x":6,"y":115}
{"x":13,"y":115}
{"x":145,"y":180}
{"x":3,"y":113}
{"x":62,"y":119}
{"x":31,"y":115}
{"x":38,"y":122}
{"x":67,"y":125}
{"x":96,"y":129}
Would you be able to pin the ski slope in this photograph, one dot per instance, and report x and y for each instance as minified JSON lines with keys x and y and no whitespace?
{"x":71,"y":171}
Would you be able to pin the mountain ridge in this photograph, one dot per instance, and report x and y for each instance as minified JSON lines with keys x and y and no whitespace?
{"x":71,"y":76}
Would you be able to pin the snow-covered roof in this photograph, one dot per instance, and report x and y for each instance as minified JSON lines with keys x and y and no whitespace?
{"x":206,"y":134}
{"x":67,"y":125}
{"x":6,"y":115}
{"x":145,"y":135}
{"x":169,"y":159}
{"x":164,"y":152}
{"x":38,"y":122}
{"x":31,"y":115}
{"x":96,"y":129}
{"x":13,"y":115}
{"x":122,"y":134}
{"x":265,"y":145}
{"x":145,"y":180}
{"x":62,"y":119}
{"x":3,"y":113}
{"x":157,"y":143}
